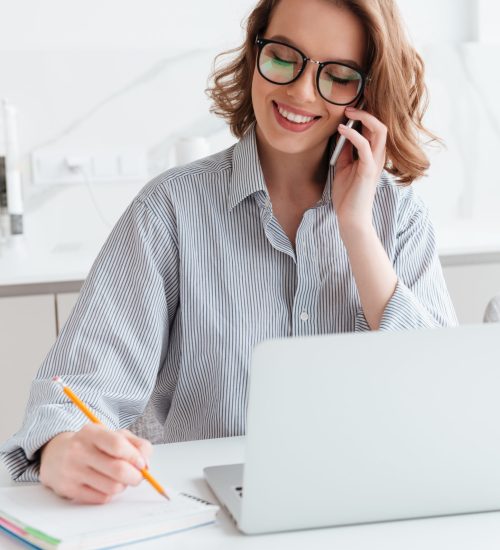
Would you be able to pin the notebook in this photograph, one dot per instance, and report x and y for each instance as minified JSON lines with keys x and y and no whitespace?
{"x":42,"y":519}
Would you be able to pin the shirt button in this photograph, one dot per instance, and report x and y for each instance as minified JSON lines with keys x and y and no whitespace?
{"x":304,"y":316}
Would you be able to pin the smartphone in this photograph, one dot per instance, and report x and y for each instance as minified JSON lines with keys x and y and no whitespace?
{"x":342,"y":139}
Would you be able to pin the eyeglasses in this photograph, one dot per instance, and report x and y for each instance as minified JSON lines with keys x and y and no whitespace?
{"x":281,"y":63}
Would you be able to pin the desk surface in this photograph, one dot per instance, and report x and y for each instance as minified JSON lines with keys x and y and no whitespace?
{"x":181,"y":464}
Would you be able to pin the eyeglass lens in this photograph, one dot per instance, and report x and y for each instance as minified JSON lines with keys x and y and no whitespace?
{"x":337,"y":83}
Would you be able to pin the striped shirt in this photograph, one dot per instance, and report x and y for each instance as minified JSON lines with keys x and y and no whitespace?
{"x":195,"y":273}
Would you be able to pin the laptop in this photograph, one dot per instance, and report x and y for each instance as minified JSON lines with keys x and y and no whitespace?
{"x":355,"y":428}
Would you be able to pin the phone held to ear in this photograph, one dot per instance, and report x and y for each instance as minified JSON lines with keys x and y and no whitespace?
{"x":342,"y":139}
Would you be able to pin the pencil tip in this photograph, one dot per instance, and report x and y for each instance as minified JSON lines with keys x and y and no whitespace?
{"x":165,"y":495}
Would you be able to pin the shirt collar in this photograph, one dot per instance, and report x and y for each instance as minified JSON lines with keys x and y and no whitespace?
{"x":247,"y":177}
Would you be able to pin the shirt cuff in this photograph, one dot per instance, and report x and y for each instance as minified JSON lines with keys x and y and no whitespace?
{"x":403,"y":311}
{"x":20,"y":453}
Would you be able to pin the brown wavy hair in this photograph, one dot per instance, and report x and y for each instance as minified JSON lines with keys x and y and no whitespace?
{"x":396,"y":93}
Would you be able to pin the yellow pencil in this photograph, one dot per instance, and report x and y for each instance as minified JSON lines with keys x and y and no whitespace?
{"x":93,"y":418}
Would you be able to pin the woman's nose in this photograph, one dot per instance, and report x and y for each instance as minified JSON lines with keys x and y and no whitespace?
{"x":304,"y":88}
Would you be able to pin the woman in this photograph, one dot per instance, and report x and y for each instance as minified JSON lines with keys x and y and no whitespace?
{"x":259,"y":241}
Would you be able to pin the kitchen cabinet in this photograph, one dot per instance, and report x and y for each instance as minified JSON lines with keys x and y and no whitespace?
{"x":471,"y":288}
{"x":27,"y":331}
{"x":64,"y":303}
{"x":28,"y":327}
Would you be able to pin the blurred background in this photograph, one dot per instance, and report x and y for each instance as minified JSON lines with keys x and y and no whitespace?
{"x":116,"y":89}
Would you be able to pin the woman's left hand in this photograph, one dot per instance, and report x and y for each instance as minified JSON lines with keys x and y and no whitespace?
{"x":355,"y":181}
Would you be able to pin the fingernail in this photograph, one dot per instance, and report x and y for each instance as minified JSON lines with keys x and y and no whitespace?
{"x":342,"y":127}
{"x":140,"y":463}
{"x":350,"y":109}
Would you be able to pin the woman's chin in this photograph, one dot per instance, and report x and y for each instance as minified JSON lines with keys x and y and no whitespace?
{"x":294,"y":145}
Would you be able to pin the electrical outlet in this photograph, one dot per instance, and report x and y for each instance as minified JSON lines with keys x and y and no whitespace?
{"x":50,"y":168}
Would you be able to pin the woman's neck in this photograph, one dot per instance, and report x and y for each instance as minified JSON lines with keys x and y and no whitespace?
{"x":292,"y":174}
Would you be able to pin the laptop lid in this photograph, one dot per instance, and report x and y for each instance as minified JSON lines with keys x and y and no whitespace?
{"x":370,"y":427}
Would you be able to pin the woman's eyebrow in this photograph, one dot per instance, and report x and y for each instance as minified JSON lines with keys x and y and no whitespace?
{"x":282,"y":38}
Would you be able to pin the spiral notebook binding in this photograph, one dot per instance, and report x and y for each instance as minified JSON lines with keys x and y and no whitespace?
{"x":203,"y":501}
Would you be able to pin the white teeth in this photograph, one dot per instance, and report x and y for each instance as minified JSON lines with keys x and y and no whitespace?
{"x":295,"y":118}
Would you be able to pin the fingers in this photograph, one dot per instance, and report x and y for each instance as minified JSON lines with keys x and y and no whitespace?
{"x":376,"y":131}
{"x":143,"y":445}
{"x":366,"y":161}
{"x":115,"y":469}
{"x":345,"y":157}
{"x":114,"y":444}
{"x":95,"y":480}
{"x":94,"y":464}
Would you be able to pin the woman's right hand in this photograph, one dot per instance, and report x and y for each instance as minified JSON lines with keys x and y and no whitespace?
{"x":93,"y":464}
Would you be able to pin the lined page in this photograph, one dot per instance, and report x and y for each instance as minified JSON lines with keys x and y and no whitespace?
{"x":39,"y":508}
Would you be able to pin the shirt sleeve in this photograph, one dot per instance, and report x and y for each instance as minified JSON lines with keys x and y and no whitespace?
{"x":113,"y":344}
{"x":421,"y":298}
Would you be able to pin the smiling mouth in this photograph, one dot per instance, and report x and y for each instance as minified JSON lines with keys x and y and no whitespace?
{"x":293,"y":117}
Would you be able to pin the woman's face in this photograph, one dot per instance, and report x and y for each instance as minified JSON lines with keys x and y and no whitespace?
{"x":322,"y":32}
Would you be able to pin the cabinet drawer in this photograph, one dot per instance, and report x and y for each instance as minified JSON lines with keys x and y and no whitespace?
{"x":27,"y":331}
{"x":471,"y":288}
{"x":65,"y":303}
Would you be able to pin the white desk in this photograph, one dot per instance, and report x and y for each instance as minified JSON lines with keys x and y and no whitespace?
{"x":181,"y":465}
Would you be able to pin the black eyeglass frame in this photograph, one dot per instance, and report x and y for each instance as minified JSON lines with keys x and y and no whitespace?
{"x":261,"y":42}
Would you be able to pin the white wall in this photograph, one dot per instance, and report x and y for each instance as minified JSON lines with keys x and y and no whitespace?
{"x":487,"y":19}
{"x":96,"y":25}
{"x":440,"y":21}
{"x":91,"y":75}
